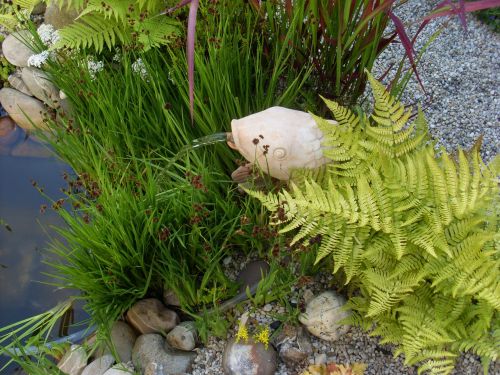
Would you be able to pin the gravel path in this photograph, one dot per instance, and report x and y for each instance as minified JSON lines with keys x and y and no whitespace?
{"x":460,"y":73}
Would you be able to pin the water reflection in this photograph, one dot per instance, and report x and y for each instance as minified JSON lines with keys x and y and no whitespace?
{"x":23,"y":292}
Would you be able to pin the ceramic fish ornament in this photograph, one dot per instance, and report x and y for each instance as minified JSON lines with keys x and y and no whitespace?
{"x":278,"y":140}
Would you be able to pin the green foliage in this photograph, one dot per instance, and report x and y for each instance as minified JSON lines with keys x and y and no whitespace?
{"x":12,"y":13}
{"x":25,"y":341}
{"x":6,"y":69}
{"x":102,"y":24}
{"x":337,"y":40}
{"x":413,"y":229}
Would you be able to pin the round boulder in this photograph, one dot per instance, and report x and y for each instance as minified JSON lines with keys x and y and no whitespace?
{"x":323,"y":314}
{"x":249,"y":358}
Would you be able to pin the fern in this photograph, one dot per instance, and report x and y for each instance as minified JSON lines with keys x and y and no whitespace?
{"x":13,"y":12}
{"x":107,"y":23}
{"x":415,"y":230}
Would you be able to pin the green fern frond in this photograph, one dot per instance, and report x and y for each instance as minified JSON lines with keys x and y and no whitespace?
{"x":92,"y":31}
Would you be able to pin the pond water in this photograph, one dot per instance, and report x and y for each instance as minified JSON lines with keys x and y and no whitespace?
{"x":25,"y":230}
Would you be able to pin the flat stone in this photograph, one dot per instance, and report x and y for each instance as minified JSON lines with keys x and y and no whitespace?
{"x":183,"y":337}
{"x":59,"y":17}
{"x":99,"y":366}
{"x":151,"y":316}
{"x":153,"y":356}
{"x":28,"y":112}
{"x":122,"y":338}
{"x":14,"y":50}
{"x":252,"y":274}
{"x":40,"y":86}
{"x":74,"y":360}
{"x":323,"y":314}
{"x":121,"y":369}
{"x":16,"y":82}
{"x":249,"y":359}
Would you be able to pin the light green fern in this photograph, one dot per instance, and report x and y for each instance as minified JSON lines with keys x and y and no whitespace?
{"x":414,"y":229}
{"x":12,"y":13}
{"x":103,"y":24}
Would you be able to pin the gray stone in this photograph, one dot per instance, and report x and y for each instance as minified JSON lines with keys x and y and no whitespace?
{"x":294,"y":344}
{"x":252,"y":274}
{"x":59,"y":17}
{"x":151,"y":353}
{"x":26,"y":111}
{"x":151,"y":316}
{"x":323,"y":314}
{"x":249,"y":359}
{"x":40,"y":86}
{"x":74,"y":360}
{"x":183,"y":337}
{"x":121,"y":369}
{"x":99,"y":366}
{"x":16,"y":82}
{"x":122,"y":338}
{"x":170,"y":298}
{"x":14,"y":49}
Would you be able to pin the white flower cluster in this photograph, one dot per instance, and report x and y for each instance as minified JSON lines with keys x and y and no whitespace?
{"x":48,"y":34}
{"x":138,"y":67}
{"x":39,"y":59}
{"x":94,"y":67}
{"x":118,"y":55}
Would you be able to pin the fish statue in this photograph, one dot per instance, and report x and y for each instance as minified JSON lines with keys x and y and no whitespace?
{"x":277,"y":140}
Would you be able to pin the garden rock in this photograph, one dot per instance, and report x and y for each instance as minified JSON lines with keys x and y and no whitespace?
{"x":183,"y":336}
{"x":99,"y":366}
{"x":169,"y":296}
{"x":40,"y":86}
{"x":151,"y":316}
{"x":23,"y":109}
{"x":249,"y":359}
{"x":121,"y":369}
{"x":123,"y":338}
{"x":323,"y":314}
{"x":151,"y":353}
{"x":252,"y":274}
{"x":59,"y":17}
{"x":15,"y":51}
{"x":294,"y":344}
{"x":16,"y":82}
{"x":74,"y":360}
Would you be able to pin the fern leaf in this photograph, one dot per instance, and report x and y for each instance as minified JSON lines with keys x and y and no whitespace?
{"x":92,"y":31}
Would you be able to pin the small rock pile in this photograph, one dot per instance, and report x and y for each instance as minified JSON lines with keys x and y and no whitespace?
{"x":138,"y":344}
{"x":31,"y":94}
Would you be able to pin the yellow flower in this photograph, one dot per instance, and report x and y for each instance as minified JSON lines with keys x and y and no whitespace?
{"x":263,"y":336}
{"x":242,"y":333}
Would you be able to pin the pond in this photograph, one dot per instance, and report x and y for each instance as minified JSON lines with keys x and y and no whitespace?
{"x":25,"y":230}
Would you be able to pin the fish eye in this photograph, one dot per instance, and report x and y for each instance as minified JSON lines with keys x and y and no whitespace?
{"x":279,"y":153}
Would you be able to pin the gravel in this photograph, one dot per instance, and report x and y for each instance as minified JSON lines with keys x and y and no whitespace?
{"x":459,"y":72}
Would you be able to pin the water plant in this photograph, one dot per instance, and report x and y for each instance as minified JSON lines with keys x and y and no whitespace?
{"x":414,"y":230}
